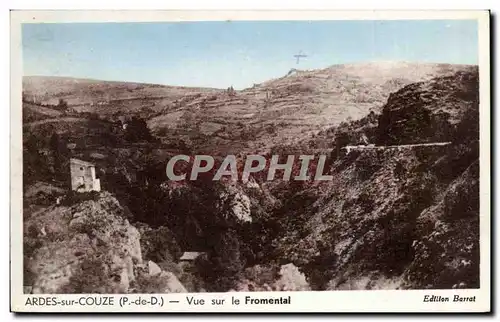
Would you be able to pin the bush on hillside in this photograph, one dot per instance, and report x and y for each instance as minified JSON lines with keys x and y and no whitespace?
{"x":73,"y":197}
{"x":137,"y":130}
{"x":159,"y":244}
{"x":92,"y":277}
{"x":225,"y":264}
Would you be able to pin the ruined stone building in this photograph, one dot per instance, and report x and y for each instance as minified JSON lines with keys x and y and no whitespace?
{"x":190,"y":256}
{"x":187,"y":260}
{"x":83,"y":177}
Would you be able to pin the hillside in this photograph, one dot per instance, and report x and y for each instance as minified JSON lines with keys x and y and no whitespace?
{"x":103,"y":97}
{"x":279,"y":111}
{"x":285,"y":110}
{"x":88,"y":246}
{"x":397,"y":216}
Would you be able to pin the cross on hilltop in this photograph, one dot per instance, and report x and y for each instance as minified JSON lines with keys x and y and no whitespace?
{"x":299,"y":56}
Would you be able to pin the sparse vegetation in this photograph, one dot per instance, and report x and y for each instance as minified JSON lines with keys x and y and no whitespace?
{"x":137,"y":130}
{"x":73,"y":198}
{"x":225,"y":264}
{"x":380,"y":217}
{"x":151,"y":284}
{"x":92,"y":277}
{"x":159,"y":245}
{"x":62,"y":105}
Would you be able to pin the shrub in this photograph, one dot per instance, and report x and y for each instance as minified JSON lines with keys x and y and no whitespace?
{"x":366,"y":202}
{"x":366,"y":165}
{"x":462,"y":200}
{"x":146,"y":284}
{"x":159,"y":244}
{"x":62,"y":105}
{"x":420,"y":192}
{"x":225,"y":264}
{"x":77,"y":197}
{"x":43,"y":198}
{"x":137,"y":130}
{"x":31,"y":243}
{"x":260,"y":274}
{"x":191,"y":281}
{"x":320,"y":269}
{"x":91,"y":277}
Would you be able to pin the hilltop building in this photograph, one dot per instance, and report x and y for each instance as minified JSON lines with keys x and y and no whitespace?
{"x":83,"y":177}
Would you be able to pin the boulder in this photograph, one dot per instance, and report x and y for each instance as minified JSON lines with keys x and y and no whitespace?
{"x":153,"y":268}
{"x":173,"y":283}
{"x":87,"y":248}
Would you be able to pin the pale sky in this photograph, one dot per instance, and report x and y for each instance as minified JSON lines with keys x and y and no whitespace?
{"x":238,"y":54}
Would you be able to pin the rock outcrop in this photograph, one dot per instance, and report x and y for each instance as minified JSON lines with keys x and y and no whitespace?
{"x":398,"y":218}
{"x":270,"y":278}
{"x":446,"y":247}
{"x":428,"y":111}
{"x":390,"y":218}
{"x":152,"y":279}
{"x":88,"y":247}
{"x":235,"y":204}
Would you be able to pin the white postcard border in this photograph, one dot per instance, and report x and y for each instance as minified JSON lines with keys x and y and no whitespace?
{"x":331,"y":301}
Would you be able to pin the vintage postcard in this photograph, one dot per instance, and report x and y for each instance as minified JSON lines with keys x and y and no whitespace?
{"x":264,"y":161}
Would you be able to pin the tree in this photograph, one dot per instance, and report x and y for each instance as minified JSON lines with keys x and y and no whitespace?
{"x":34,"y":164}
{"x":225,"y":263}
{"x":54,"y":146}
{"x":231,"y":91}
{"x":59,"y":154}
{"x":159,"y":244}
{"x":137,"y":130}
{"x":62,"y":104}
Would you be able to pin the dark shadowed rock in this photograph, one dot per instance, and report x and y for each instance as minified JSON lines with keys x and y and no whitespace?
{"x":428,"y":111}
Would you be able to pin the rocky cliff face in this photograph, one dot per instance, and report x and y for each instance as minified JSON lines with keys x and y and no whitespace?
{"x":87,"y":247}
{"x":446,"y":250}
{"x":389,"y":219}
{"x":428,"y":111}
{"x":400,"y":217}
{"x":394,"y":217}
{"x":261,"y":278}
